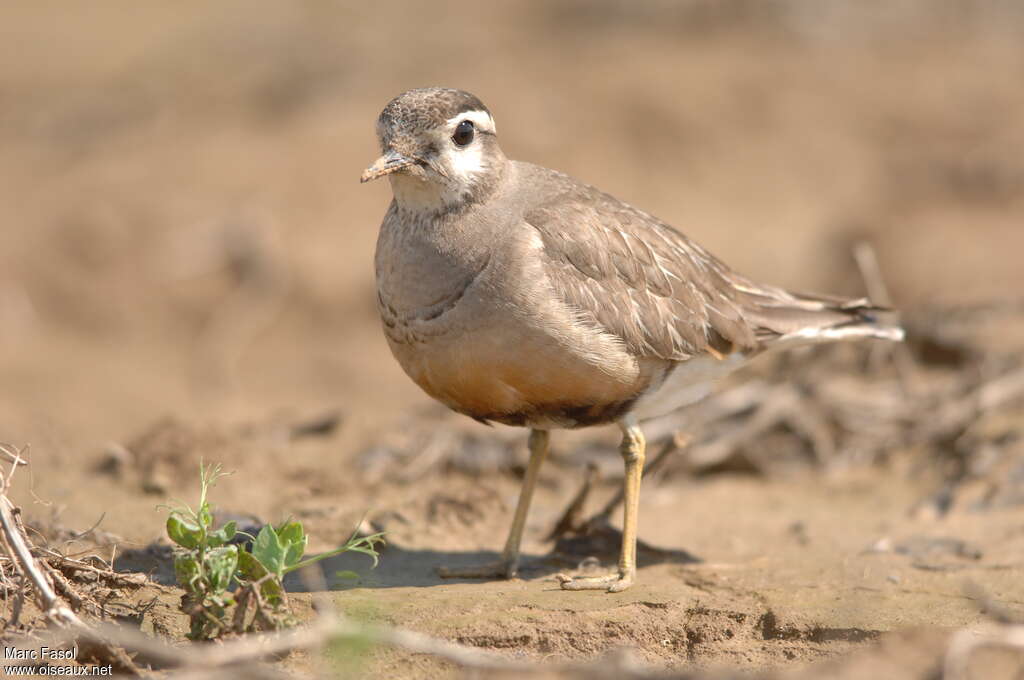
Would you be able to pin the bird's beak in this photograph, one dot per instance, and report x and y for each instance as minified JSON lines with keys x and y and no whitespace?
{"x":385,"y":165}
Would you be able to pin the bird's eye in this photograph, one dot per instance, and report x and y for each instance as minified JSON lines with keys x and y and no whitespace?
{"x":464,"y":133}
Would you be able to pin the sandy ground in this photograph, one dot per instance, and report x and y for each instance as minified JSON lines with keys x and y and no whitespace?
{"x":186,"y":250}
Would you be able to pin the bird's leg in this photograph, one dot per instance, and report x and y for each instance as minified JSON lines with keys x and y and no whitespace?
{"x":508,"y":565}
{"x":632,"y":450}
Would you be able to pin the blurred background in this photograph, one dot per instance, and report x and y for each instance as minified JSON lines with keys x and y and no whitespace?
{"x":184,"y":235}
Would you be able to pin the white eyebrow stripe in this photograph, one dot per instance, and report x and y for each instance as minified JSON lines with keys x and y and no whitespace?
{"x":481,"y":119}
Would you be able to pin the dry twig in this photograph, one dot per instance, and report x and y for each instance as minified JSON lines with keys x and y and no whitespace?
{"x":258,"y":647}
{"x":965,"y":642}
{"x":53,"y":607}
{"x":570,"y":520}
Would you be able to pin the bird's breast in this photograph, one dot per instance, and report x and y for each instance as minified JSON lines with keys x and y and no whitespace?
{"x":488,"y":338}
{"x":517,"y":377}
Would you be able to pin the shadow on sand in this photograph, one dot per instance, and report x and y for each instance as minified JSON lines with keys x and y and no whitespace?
{"x":404,"y":568}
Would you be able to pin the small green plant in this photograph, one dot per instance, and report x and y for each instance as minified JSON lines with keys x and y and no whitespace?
{"x":208,"y":565}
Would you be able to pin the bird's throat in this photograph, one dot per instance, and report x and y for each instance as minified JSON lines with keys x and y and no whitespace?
{"x":422,"y":196}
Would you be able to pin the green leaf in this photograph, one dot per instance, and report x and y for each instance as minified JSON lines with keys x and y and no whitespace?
{"x":251,"y":570}
{"x":355,"y":543}
{"x":346,"y":574}
{"x":291,"y":532}
{"x":367,"y":545}
{"x":205,"y":517}
{"x":293,"y":539}
{"x":267,"y":549}
{"x":223,"y":535}
{"x":221,"y":564}
{"x":186,"y":570}
{"x":374,"y":555}
{"x":249,"y":567}
{"x":183,"y":532}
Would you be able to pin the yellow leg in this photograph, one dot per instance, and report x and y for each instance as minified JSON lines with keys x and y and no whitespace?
{"x":508,"y":565}
{"x":632,"y":450}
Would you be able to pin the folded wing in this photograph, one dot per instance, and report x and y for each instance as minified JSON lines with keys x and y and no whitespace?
{"x":635,"y":277}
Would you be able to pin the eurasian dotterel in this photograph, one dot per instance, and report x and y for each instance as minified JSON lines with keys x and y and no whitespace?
{"x":519,"y":295}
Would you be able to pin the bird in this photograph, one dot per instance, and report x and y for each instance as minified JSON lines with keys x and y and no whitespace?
{"x":516,"y":294}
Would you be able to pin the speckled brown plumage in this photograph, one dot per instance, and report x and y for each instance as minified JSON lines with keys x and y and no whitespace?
{"x":663,"y":295}
{"x":423,"y":109}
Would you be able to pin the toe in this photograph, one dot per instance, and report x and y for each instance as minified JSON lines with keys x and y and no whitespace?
{"x":620,"y":585}
{"x":585,"y":583}
{"x":614,"y":583}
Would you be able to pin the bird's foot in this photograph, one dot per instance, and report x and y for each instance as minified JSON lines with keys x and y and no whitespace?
{"x":613,"y":583}
{"x":501,"y":569}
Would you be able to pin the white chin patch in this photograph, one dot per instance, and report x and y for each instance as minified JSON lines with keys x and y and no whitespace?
{"x":420,"y":195}
{"x":464,"y":164}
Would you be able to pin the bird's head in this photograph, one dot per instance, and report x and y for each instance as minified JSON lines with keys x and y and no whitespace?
{"x":438,"y":148}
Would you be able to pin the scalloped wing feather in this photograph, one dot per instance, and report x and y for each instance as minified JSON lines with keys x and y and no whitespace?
{"x":639,"y":279}
{"x":631,"y":275}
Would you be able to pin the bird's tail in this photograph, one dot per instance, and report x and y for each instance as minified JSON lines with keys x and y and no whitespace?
{"x":786,"y":319}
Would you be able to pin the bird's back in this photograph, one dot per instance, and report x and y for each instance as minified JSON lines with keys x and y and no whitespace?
{"x":661,"y":293}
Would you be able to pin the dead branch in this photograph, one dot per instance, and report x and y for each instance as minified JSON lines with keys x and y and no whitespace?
{"x":871,"y":272}
{"x":676,"y":442}
{"x":571,"y":520}
{"x":965,"y":642}
{"x":53,"y":607}
{"x":956,"y":415}
{"x":774,"y":407}
{"x":48,"y":600}
{"x":719,"y":406}
{"x":70,"y":564}
{"x":257,"y":647}
{"x":572,"y":517}
{"x":12,"y":454}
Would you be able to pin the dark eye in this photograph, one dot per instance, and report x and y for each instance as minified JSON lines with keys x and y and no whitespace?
{"x":463,"y":134}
